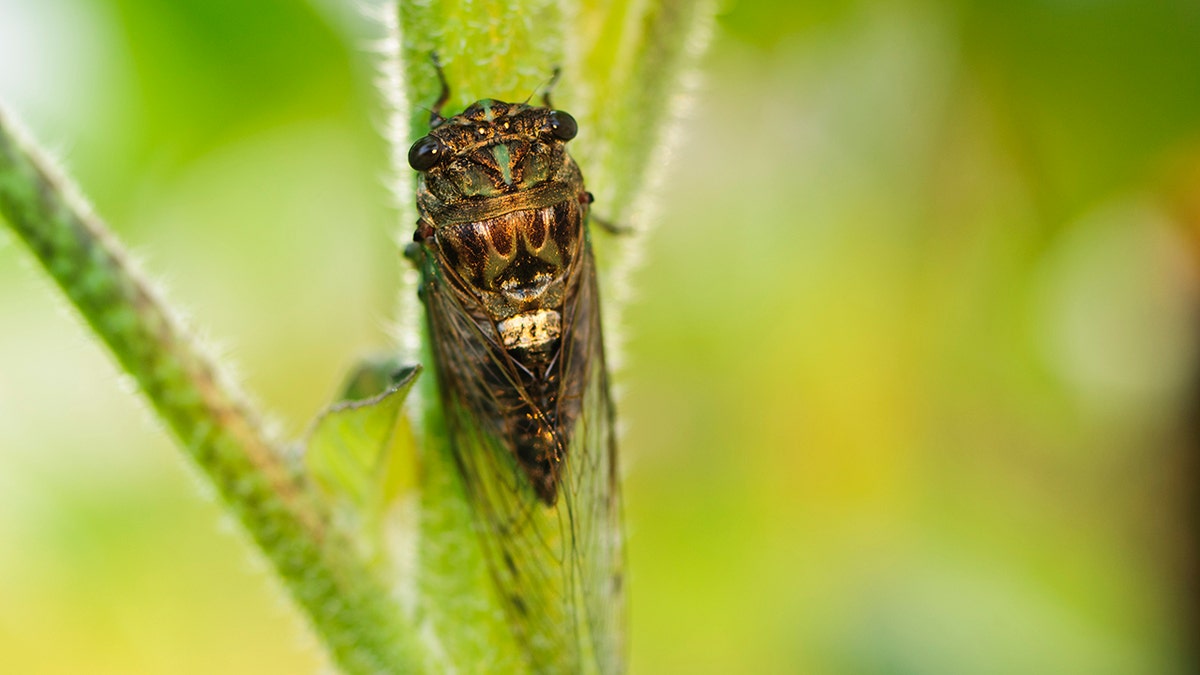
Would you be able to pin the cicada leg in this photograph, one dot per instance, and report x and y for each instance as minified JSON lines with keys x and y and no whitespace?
{"x":435,"y":113}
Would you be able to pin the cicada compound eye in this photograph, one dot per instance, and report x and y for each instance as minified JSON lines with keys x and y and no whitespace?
{"x":563,"y":126}
{"x":426,"y":153}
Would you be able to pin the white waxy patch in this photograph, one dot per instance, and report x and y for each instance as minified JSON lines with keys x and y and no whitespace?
{"x":530,"y":329}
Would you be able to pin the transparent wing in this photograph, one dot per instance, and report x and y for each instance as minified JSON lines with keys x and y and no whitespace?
{"x":591,"y":487}
{"x":557,"y":569}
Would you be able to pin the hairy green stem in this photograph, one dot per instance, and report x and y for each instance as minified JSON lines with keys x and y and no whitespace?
{"x":508,"y":50}
{"x":621,"y":66}
{"x":349,"y":606}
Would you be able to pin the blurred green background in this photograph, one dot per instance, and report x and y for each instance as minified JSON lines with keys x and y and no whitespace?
{"x":910,"y":375}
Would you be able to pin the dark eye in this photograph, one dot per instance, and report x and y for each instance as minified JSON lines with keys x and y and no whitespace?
{"x":563,"y":126}
{"x":426,"y":153}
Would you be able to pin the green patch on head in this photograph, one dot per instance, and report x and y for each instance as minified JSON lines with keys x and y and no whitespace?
{"x":503,"y":160}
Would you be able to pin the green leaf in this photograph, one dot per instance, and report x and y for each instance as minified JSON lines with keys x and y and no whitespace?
{"x":360,"y":452}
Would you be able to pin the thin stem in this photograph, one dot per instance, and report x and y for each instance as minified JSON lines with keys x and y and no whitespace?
{"x":348,"y":604}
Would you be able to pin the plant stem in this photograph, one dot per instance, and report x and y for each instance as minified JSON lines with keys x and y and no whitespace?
{"x":507,"y":50}
{"x":348,"y":605}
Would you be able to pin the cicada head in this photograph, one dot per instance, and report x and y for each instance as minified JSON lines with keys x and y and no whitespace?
{"x":490,"y":150}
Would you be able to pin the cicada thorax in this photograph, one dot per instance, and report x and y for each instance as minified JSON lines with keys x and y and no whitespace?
{"x":503,"y":214}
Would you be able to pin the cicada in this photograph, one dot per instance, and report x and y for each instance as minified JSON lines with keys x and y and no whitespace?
{"x":509,"y":285}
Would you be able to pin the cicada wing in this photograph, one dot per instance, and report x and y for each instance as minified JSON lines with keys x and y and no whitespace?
{"x":526,"y":544}
{"x":590,"y":484}
{"x":557,"y":569}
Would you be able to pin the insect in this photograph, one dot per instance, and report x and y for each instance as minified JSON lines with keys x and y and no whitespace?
{"x":509,"y":285}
